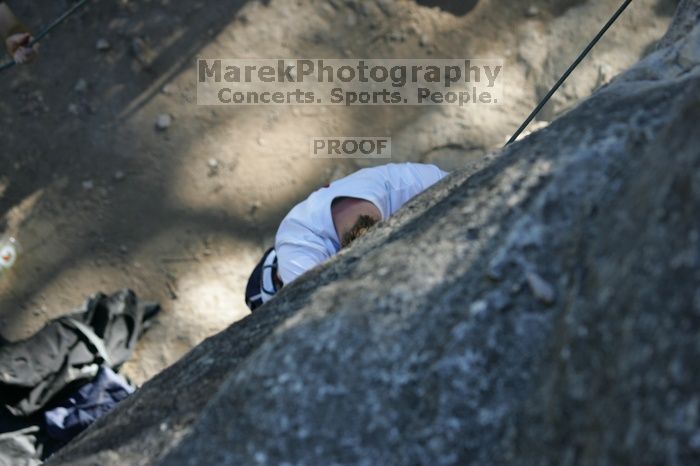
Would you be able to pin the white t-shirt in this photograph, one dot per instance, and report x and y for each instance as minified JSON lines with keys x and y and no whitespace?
{"x":307,"y":236}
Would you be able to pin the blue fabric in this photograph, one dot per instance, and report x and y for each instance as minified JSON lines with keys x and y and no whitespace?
{"x":90,"y":402}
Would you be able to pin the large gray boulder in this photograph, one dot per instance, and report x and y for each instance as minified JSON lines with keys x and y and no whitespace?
{"x":542,"y":310}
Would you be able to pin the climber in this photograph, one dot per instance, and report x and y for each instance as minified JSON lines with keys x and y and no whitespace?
{"x":16,"y":36}
{"x":333,"y":217}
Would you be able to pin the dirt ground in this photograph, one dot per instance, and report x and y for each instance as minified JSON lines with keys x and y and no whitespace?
{"x":101,"y":200}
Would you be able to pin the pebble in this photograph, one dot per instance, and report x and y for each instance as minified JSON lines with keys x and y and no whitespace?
{"x":254,"y":206}
{"x":424,"y":40}
{"x":532,"y":11}
{"x":80,"y":86}
{"x":213,"y":165}
{"x":396,"y":36}
{"x":88,"y":185}
{"x":73,"y":109}
{"x":169,"y":89}
{"x":542,"y":290}
{"x":163,"y":122}
{"x":102,"y":45}
{"x":478,"y":308}
{"x":605,"y":73}
{"x":119,"y":175}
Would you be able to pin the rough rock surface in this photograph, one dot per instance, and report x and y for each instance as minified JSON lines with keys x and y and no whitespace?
{"x":543,"y":310}
{"x":109,"y":202}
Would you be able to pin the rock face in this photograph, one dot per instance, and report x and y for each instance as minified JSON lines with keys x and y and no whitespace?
{"x":543,"y":310}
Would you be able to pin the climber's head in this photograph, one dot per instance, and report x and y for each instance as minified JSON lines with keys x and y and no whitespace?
{"x":263,"y":282}
{"x":359,"y":228}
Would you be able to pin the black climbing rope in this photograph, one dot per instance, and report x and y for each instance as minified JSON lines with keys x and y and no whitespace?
{"x":573,"y":66}
{"x":46,"y":30}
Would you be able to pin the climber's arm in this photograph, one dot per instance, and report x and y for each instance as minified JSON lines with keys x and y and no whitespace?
{"x":295,"y":259}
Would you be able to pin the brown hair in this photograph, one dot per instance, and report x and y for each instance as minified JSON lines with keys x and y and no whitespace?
{"x":363,"y":223}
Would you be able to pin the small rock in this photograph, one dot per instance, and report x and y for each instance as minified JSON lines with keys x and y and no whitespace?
{"x":119,"y":175}
{"x":73,"y":109}
{"x":123,"y":249}
{"x":542,"y":290}
{"x":169,"y":89}
{"x":396,"y":36}
{"x":532,"y":11}
{"x":80,"y":86}
{"x":88,"y":185}
{"x":605,"y":73}
{"x":103,"y":45}
{"x":163,"y":122}
{"x":478,"y":308}
{"x":254,"y":206}
{"x":213,"y":165}
{"x":424,"y":40}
